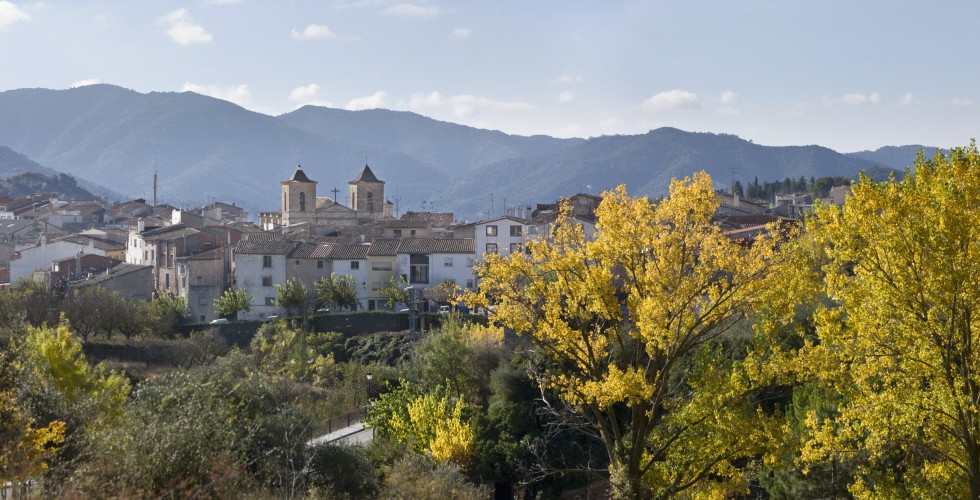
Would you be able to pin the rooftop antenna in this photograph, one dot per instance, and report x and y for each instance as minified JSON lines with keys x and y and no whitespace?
{"x":732,"y":185}
{"x":154,"y":180}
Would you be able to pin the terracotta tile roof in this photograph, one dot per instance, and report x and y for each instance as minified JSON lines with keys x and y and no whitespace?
{"x":304,"y":251}
{"x":322,"y":251}
{"x":348,"y":252}
{"x":264,"y":247}
{"x":114,"y":272}
{"x":436,"y":245}
{"x":176,"y":231}
{"x":406,"y":223}
{"x":384,"y":247}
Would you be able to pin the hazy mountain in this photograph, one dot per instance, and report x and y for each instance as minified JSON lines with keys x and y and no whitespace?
{"x":205,"y":147}
{"x":201,"y":146}
{"x":12,"y":162}
{"x":457,"y":149}
{"x":19,"y":175}
{"x":645,"y":164}
{"x":896,"y":157}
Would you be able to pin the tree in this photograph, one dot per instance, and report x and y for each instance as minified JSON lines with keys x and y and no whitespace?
{"x":166,"y":310}
{"x":233,"y":301}
{"x":737,"y":189}
{"x":631,"y":325}
{"x":446,"y":292}
{"x":899,"y":340}
{"x":292,"y":296}
{"x":25,"y":449}
{"x":337,"y":292}
{"x":396,"y":291}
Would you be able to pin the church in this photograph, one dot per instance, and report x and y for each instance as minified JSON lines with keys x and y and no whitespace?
{"x":301,"y":206}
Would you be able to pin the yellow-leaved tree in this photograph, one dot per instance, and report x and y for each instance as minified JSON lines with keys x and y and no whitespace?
{"x":632,"y":324}
{"x":897,"y":342}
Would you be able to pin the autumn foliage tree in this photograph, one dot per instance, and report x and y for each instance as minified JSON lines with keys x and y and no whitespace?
{"x":631,"y":325}
{"x":899,"y":340}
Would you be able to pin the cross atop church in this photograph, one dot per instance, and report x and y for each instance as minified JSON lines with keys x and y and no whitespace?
{"x":335,"y":191}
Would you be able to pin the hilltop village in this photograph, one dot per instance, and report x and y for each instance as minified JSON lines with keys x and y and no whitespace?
{"x":136,"y":247}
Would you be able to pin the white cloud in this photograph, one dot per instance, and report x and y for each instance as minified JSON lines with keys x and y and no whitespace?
{"x":460,"y":34}
{"x":672,"y":99}
{"x":566,"y":97}
{"x":238,"y":94}
{"x":308,"y":94}
{"x":376,"y":100}
{"x":906,"y":99}
{"x":960,"y":103}
{"x":729,"y":103}
{"x":422,"y":101}
{"x":85,"y":82}
{"x":728,"y":98}
{"x":464,"y":105}
{"x":10,"y":14}
{"x":852,"y":99}
{"x":569,"y":78}
{"x":411,"y":10}
{"x":314,"y":32}
{"x":183,"y":30}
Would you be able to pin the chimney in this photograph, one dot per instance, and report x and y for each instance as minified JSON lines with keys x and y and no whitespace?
{"x":140,"y":226}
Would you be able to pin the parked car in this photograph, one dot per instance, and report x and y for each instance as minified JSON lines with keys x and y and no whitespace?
{"x":445,"y":310}
{"x":219,"y":321}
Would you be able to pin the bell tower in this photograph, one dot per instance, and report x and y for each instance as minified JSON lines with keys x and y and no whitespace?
{"x":367,"y":193}
{"x":298,"y":198}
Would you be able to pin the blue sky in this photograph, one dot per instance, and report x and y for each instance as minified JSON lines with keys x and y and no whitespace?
{"x":847,"y":75}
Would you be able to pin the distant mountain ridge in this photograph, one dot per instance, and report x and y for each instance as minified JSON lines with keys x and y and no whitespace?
{"x":20,"y":176}
{"x":205,"y":148}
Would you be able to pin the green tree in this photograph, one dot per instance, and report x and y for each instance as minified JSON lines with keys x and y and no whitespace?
{"x":396,"y":291}
{"x":899,"y":339}
{"x":631,"y":323}
{"x":337,"y":292}
{"x":233,"y":301}
{"x":166,"y":310}
{"x":292,"y":296}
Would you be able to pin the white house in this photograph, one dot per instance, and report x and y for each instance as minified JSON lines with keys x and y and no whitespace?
{"x":261,"y":263}
{"x":352,"y":260}
{"x":428,"y":262}
{"x":503,"y":235}
{"x":41,"y":255}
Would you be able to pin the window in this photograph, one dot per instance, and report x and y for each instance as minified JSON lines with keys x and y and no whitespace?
{"x":266,"y":261}
{"x":267,"y":281}
{"x":413,"y":232}
{"x":516,"y":230}
{"x":302,"y":202}
{"x":270,"y":301}
{"x":397,"y":233}
{"x":491,"y":230}
{"x":469,"y":262}
{"x":419,"y":268}
{"x":376,"y":285}
{"x":355,"y":265}
{"x":447,"y":262}
{"x":370,"y":201}
{"x":515,"y":248}
{"x":381,"y":266}
{"x":319,"y":264}
{"x":202,"y":301}
{"x":469,"y":283}
{"x":491,"y":248}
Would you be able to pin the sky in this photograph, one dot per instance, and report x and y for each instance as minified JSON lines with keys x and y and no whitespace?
{"x":843,"y":74}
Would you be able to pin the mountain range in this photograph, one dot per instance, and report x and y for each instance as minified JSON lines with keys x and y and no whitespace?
{"x":204,"y":148}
